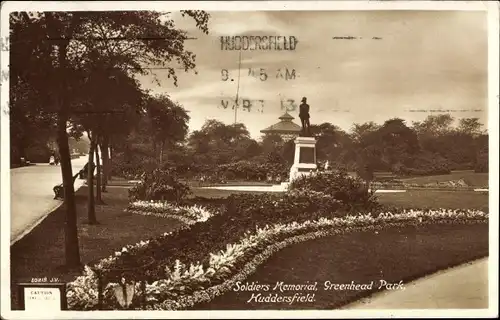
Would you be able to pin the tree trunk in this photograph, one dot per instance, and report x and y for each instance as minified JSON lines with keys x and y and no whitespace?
{"x":90,"y":183}
{"x":161,"y":153}
{"x":110,"y":161}
{"x":71,"y":246}
{"x":105,"y":162}
{"x":98,"y":176}
{"x":72,"y":251}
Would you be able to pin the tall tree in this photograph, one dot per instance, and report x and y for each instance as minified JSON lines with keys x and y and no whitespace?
{"x":399,"y":142}
{"x":434,"y":125}
{"x":360,"y":131}
{"x":169,"y":122}
{"x":60,"y":43}
{"x":271,"y":143}
{"x":470,"y":126}
{"x":217,"y":143}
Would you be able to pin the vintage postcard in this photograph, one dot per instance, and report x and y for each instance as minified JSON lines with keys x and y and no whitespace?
{"x":249,"y":159}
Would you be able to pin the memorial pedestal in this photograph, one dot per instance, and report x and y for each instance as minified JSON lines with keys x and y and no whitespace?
{"x":304,"y":160}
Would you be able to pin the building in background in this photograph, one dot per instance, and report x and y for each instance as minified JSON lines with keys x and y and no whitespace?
{"x":285,"y":128}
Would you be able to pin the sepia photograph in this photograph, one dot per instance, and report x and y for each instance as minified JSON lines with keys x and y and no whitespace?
{"x":249,"y":159}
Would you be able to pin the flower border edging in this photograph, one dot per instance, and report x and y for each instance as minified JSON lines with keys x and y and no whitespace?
{"x":249,"y":268}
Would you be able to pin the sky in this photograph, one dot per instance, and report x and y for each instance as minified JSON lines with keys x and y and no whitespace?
{"x":422,"y":63}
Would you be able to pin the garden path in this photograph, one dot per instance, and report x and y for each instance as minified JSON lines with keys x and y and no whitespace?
{"x":32,"y":197}
{"x":462,"y":287}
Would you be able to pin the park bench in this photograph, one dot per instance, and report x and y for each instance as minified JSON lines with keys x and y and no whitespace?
{"x":59,"y":189}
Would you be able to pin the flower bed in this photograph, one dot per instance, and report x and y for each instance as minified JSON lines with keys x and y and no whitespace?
{"x":163,"y":209}
{"x":181,"y":287}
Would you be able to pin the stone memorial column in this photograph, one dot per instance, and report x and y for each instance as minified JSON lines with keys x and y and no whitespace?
{"x":304,"y":161}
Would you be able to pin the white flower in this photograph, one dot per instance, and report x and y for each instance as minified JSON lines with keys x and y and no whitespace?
{"x":222,"y":264}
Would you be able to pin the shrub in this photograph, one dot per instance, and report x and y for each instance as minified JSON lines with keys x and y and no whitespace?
{"x":229,"y":175}
{"x":133,"y":167}
{"x":250,"y":170}
{"x":424,"y":165}
{"x":351,"y":191}
{"x":38,"y":153}
{"x":481,"y":165}
{"x":159,"y":185}
{"x":365,"y":171}
{"x":435,"y":170}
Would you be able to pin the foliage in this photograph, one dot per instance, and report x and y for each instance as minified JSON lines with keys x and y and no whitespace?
{"x":241,"y":213}
{"x":185,"y":282}
{"x":38,"y":153}
{"x":482,"y":162}
{"x":425,"y":164}
{"x":365,"y":171}
{"x":159,"y":185}
{"x":168,"y":122}
{"x":482,"y":146}
{"x":251,"y":170}
{"x":218,"y":143}
{"x":101,"y":71}
{"x":429,"y":147}
{"x":350,"y":191}
{"x":132,"y":168}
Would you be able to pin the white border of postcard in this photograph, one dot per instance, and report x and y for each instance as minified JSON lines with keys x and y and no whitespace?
{"x":493,"y":83}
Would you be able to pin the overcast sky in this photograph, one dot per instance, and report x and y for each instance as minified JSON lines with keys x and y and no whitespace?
{"x":424,"y":60}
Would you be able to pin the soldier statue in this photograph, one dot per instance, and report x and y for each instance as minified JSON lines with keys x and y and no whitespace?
{"x":304,"y":116}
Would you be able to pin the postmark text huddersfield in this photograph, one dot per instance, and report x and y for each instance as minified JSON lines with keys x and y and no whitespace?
{"x":262,"y":43}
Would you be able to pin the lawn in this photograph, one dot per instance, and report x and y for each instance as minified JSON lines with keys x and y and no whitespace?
{"x":392,"y":255}
{"x":436,"y":199}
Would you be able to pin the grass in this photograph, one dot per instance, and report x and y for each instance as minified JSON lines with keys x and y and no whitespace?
{"x":392,"y":255}
{"x":470,"y":177}
{"x":41,"y":253}
{"x":436,"y":199}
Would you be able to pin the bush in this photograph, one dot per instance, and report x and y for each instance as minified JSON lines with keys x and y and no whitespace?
{"x":425,"y":171}
{"x":38,"y":153}
{"x":159,"y":185}
{"x":351,"y":191}
{"x":427,"y":164}
{"x":246,"y":170}
{"x":133,"y":167}
{"x":481,"y":165}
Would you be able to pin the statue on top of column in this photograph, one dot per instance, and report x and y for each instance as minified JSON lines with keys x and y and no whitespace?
{"x":304,"y":117}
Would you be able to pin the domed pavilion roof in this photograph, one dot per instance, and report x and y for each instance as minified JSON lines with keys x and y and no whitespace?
{"x":285,"y":126}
